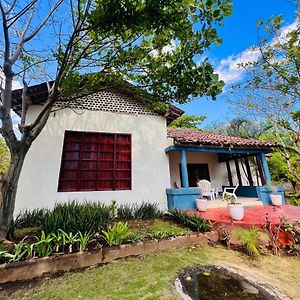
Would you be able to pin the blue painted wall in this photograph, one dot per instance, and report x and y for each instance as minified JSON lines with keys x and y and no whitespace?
{"x":264,"y":194}
{"x":245,"y":191}
{"x":184,"y":198}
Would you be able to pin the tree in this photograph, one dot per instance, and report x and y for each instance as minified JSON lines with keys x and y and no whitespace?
{"x":4,"y":157}
{"x":239,"y":127}
{"x":152,"y":44}
{"x":271,"y":90}
{"x":187,"y":121}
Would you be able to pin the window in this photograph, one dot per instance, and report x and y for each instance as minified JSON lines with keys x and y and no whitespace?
{"x":95,"y":162}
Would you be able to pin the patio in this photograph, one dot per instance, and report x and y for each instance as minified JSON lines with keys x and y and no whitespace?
{"x":254,"y":215}
{"x":225,"y":161}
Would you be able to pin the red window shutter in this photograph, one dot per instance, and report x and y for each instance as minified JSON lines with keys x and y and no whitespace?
{"x":95,"y":161}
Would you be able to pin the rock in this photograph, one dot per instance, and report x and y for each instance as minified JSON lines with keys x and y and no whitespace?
{"x":249,"y":288}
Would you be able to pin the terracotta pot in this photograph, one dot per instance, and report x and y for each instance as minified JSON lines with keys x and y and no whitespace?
{"x":201,"y":204}
{"x":276,"y":200}
{"x":236,"y":211}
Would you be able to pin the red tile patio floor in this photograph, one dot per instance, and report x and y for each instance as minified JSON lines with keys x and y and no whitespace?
{"x":254,"y":215}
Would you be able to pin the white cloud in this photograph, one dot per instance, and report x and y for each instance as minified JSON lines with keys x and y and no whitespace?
{"x":228,"y":68}
{"x":165,"y":50}
{"x":169,"y":48}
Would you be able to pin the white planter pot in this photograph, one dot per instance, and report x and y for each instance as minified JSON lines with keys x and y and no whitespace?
{"x":236,"y":211}
{"x":276,"y":200}
{"x":201,"y":204}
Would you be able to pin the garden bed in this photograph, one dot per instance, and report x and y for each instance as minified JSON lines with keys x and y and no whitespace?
{"x":36,"y":267}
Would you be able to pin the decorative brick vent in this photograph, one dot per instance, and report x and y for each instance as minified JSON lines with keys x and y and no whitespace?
{"x":108,"y":101}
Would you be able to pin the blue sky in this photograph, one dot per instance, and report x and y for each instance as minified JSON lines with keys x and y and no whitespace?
{"x":238,"y":33}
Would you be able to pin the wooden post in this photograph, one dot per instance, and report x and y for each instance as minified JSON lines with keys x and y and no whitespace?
{"x":260,"y":170}
{"x":249,"y":174}
{"x":229,"y":173}
{"x":238,"y":172}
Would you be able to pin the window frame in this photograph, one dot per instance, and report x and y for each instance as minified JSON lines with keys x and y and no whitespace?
{"x":81,"y":138}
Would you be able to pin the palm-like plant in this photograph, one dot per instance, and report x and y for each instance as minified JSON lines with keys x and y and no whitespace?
{"x":117,"y":234}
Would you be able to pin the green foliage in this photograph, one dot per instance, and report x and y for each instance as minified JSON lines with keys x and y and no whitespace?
{"x":279,"y":168}
{"x":240,"y":127}
{"x":187,"y":121}
{"x":162,"y":229}
{"x":251,"y":240}
{"x":146,"y":210}
{"x":271,"y":91}
{"x":194,"y":222}
{"x":30,"y":218}
{"x":84,"y":240}
{"x":20,"y":252}
{"x":136,"y":211}
{"x":74,"y":217}
{"x":4,"y":157}
{"x":43,"y":245}
{"x":125,"y":211}
{"x":153,"y":44}
{"x":116,"y":234}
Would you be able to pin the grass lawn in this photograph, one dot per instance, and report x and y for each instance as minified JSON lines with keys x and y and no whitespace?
{"x":153,"y":276}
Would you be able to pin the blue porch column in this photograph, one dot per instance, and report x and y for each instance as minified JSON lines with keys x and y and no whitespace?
{"x":184,"y":172}
{"x":265,"y":167}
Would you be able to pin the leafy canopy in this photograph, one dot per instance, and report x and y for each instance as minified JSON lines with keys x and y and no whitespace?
{"x":158,"y":46}
{"x":187,"y":121}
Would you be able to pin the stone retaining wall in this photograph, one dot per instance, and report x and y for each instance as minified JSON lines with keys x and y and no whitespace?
{"x":36,"y":267}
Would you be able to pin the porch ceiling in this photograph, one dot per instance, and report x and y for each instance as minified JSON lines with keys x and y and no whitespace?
{"x":223,"y":153}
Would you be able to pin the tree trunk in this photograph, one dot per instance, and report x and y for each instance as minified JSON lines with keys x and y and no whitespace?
{"x":8,"y":189}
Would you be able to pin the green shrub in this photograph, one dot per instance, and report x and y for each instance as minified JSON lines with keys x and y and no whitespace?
{"x":84,"y":239}
{"x":194,"y":222}
{"x":117,"y":234}
{"x":251,"y":240}
{"x":125,"y":211}
{"x":43,"y":245}
{"x":20,"y":252}
{"x":74,"y":217}
{"x":146,"y":210}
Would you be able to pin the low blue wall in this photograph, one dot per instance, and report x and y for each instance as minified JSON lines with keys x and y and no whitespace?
{"x":245,"y":191}
{"x":264,"y":194}
{"x":184,"y":198}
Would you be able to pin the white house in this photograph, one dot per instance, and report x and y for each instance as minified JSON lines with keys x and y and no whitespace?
{"x":109,"y":146}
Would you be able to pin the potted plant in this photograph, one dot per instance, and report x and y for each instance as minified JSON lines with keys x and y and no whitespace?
{"x":201,"y":204}
{"x":276,"y":199}
{"x":236,"y":209}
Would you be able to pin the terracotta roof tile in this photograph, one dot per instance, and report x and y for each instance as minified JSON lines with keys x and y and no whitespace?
{"x":191,"y":136}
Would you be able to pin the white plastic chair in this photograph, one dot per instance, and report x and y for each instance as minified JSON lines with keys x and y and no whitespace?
{"x":205,"y":189}
{"x":230,"y":191}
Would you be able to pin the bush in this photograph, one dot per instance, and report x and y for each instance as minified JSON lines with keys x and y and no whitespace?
{"x":251,"y":240}
{"x":194,"y":222}
{"x":146,"y":210}
{"x":115,"y":235}
{"x":74,"y":217}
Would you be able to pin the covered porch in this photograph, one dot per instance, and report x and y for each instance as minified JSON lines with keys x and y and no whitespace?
{"x":224,"y":161}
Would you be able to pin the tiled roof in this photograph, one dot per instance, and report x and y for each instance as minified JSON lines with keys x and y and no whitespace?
{"x":190,"y":136}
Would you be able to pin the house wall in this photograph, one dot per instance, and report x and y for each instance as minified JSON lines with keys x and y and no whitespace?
{"x":150,"y":167}
{"x":217,"y":171}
